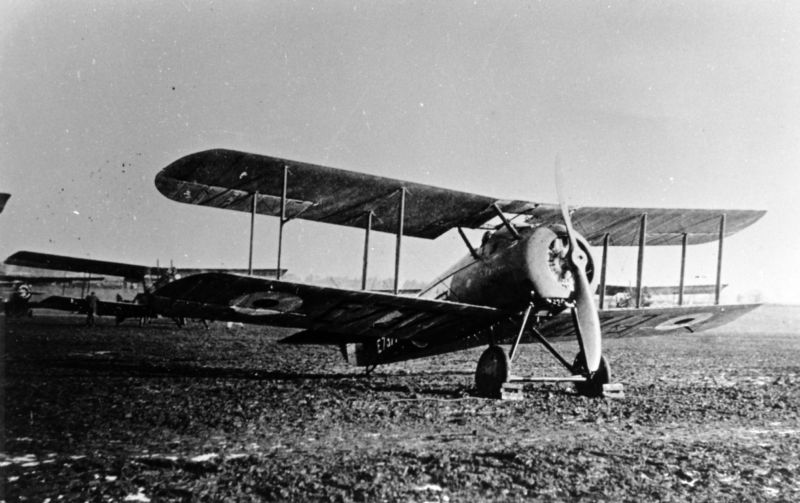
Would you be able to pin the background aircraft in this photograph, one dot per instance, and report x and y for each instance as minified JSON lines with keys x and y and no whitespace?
{"x":18,"y":290}
{"x":534,"y":271}
{"x":150,"y":278}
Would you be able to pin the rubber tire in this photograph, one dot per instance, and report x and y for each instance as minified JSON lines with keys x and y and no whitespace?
{"x":492,"y":372}
{"x":594,"y":386}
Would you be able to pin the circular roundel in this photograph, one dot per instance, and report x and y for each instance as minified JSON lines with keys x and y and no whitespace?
{"x":683,"y":321}
{"x":24,"y":291}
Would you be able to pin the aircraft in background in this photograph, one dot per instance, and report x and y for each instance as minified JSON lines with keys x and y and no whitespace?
{"x":141,"y":307}
{"x":532,"y":278}
{"x":19,"y":290}
{"x":625,"y":296}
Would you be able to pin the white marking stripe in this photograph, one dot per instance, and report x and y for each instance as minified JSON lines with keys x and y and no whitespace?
{"x":683,"y":321}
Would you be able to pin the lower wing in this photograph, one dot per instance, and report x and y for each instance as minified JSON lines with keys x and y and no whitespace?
{"x":329,"y":315}
{"x":649,"y":321}
{"x":395,"y":328}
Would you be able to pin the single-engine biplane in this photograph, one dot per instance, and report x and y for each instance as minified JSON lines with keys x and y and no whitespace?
{"x":624,"y":296}
{"x":19,"y":290}
{"x":141,"y":307}
{"x":535,"y":278}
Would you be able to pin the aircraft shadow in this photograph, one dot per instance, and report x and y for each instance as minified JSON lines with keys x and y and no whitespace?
{"x":125,"y":369}
{"x":376,"y":382}
{"x":144,"y":369}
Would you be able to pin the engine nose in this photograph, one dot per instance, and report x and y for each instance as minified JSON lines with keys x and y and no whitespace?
{"x":547,"y":263}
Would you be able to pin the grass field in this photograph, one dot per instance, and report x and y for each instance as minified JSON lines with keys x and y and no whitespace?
{"x":164,"y":414}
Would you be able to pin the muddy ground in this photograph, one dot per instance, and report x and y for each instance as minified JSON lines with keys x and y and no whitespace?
{"x":123,"y":413}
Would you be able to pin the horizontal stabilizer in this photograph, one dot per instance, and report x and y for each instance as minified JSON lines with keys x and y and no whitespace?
{"x":320,"y":337}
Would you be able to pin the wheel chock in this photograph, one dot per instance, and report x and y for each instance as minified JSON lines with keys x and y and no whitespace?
{"x":614,"y":390}
{"x":512,"y":391}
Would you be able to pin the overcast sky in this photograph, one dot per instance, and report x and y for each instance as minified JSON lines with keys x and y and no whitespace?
{"x":674,"y":104}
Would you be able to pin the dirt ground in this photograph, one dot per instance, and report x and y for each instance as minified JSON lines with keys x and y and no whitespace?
{"x":166,"y":414}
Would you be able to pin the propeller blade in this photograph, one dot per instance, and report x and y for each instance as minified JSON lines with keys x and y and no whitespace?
{"x":562,"y":203}
{"x":587,"y":319}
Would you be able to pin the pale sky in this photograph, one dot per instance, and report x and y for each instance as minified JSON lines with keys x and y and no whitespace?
{"x":675,"y":104}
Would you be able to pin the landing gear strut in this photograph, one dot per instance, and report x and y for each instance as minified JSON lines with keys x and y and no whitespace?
{"x":494,"y":369}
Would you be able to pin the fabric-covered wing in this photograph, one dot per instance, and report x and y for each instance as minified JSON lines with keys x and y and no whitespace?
{"x":665,"y":290}
{"x":330,"y":315}
{"x":65,"y":263}
{"x":649,"y":321}
{"x":130,"y":272}
{"x":11,"y":279}
{"x":664,"y":226}
{"x":230,"y":179}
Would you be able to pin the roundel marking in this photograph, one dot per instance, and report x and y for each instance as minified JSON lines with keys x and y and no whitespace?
{"x":684,"y":321}
{"x":24,"y":291}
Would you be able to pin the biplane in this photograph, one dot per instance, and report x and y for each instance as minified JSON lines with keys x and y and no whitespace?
{"x":19,"y":290}
{"x":150,"y":278}
{"x":533,"y":275}
{"x":623,"y":296}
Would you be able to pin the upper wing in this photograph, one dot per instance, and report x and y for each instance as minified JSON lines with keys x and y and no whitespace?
{"x":10,"y":279}
{"x":3,"y":200}
{"x":65,"y":263}
{"x":649,"y":321}
{"x":330,"y":315}
{"x":229,"y":179}
{"x":664,"y":226}
{"x":131,"y":272}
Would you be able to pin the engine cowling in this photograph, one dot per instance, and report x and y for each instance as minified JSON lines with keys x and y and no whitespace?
{"x":546,"y":262}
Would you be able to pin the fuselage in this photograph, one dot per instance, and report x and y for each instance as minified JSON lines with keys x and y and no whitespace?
{"x":509,"y":272}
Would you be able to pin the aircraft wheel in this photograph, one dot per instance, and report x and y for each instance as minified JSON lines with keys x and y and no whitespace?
{"x":492,"y":371}
{"x":594,"y":386}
